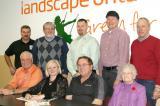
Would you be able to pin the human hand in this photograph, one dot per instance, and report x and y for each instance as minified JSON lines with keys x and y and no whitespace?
{"x":77,"y":74}
{"x":156,"y":93}
{"x":7,"y":92}
{"x":1,"y":89}
{"x":68,"y":97}
{"x":65,"y":76}
{"x":12,"y":70}
{"x":116,"y":82}
{"x":28,"y":96}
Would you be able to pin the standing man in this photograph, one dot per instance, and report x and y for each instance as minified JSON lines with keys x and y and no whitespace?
{"x":83,"y":45}
{"x":50,"y":47}
{"x":145,"y":55}
{"x":114,"y":51}
{"x":17,"y":47}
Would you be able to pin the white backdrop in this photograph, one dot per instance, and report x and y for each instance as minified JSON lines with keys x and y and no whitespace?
{"x":11,"y":18}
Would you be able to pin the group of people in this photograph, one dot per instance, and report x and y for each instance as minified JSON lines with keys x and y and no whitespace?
{"x":98,"y":71}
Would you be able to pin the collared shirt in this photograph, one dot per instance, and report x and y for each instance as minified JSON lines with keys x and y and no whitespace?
{"x":128,"y":95}
{"x":83,"y":46}
{"x":49,"y":38}
{"x":114,"y":48}
{"x":92,"y":88}
{"x":26,"y":78}
{"x":16,"y":48}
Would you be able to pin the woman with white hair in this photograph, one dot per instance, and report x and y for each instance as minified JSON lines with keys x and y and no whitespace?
{"x":128,"y":92}
{"x":54,"y":86}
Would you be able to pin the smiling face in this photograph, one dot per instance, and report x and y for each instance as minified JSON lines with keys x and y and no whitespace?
{"x":112,"y":22}
{"x":127,"y":76}
{"x":26,"y":60}
{"x":25,"y":34}
{"x":48,"y":29}
{"x":143,"y":28}
{"x":82,"y":28}
{"x":52,"y":69}
{"x":84,"y":67}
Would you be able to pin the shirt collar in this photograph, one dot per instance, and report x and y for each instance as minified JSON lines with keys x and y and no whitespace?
{"x":83,"y":37}
{"x":90,"y":77}
{"x":49,"y":38}
{"x":24,"y":42}
{"x":112,"y":30}
{"x":30,"y":70}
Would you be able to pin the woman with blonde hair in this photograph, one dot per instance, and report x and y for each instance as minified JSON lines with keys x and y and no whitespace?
{"x":128,"y":92}
{"x":53,"y":86}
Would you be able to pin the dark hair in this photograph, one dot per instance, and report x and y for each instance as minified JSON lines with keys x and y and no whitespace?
{"x":82,"y":20}
{"x":87,"y":58}
{"x":25,"y":27}
{"x":112,"y":13}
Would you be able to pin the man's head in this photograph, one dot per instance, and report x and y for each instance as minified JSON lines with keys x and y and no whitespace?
{"x":143,"y":27}
{"x":82,"y":26}
{"x":49,"y":29}
{"x":26,"y":59}
{"x":84,"y":65}
{"x":25,"y":32}
{"x":112,"y":19}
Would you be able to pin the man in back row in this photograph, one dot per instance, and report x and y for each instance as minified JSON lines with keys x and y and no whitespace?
{"x":114,"y":51}
{"x":83,"y":45}
{"x":145,"y":55}
{"x":17,"y":47}
{"x":50,"y":47}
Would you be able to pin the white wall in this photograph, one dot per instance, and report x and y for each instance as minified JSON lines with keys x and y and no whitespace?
{"x":11,"y":18}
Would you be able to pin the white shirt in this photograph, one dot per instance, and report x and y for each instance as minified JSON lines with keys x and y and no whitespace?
{"x":83,"y":46}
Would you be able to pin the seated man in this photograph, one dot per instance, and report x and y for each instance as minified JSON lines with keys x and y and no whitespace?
{"x":25,"y":77}
{"x":88,"y":87}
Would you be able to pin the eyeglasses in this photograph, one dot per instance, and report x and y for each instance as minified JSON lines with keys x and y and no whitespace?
{"x":83,"y":65}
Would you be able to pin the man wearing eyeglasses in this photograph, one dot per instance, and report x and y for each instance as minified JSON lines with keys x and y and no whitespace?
{"x":88,"y":87}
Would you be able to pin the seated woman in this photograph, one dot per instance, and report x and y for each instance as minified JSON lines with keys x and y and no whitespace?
{"x":54,"y":86}
{"x":88,"y":87}
{"x":128,"y":92}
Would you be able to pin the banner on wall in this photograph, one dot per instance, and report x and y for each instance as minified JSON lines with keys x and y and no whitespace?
{"x":64,"y":13}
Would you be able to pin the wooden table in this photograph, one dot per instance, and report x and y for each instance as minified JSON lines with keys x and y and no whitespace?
{"x":12,"y":101}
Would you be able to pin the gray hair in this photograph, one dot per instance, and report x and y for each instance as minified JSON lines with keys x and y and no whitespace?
{"x":29,"y":54}
{"x":144,"y":19}
{"x":48,"y":24}
{"x":131,"y":68}
{"x":53,"y":61}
